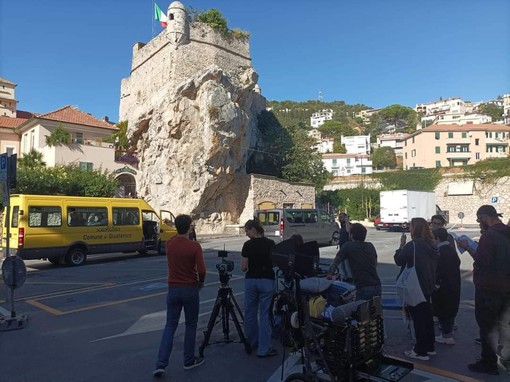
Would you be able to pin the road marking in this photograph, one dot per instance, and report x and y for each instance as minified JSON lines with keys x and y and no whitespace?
{"x":37,"y":300}
{"x":155,"y":321}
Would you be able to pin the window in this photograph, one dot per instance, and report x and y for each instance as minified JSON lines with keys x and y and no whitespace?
{"x":413,"y":140}
{"x":78,"y":138}
{"x":405,"y":155}
{"x":126,"y":216}
{"x":311,"y":217}
{"x":438,"y":163}
{"x":477,"y":155}
{"x":44,"y":216}
{"x":87,"y":216}
{"x":413,"y":153}
{"x":450,"y":135}
{"x":464,"y":135}
{"x":363,"y":170}
{"x":438,"y":150}
{"x":348,"y":161}
{"x":15,"y":217}
{"x":334,"y":162}
{"x":86,"y":166}
{"x":438,"y":135}
{"x":477,"y":142}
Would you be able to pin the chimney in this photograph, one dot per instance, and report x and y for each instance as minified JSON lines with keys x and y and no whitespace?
{"x":106,"y":119}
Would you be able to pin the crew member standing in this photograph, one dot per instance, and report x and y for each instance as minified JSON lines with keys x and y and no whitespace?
{"x":186,"y":275}
{"x":491,"y":276}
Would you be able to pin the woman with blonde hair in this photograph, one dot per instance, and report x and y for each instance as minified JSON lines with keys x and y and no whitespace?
{"x":422,"y":251}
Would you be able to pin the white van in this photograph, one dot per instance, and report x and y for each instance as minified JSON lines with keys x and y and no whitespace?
{"x":310,"y":223}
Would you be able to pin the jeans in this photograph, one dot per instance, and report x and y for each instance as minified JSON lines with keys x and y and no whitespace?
{"x":492,"y":312}
{"x":366,"y":293}
{"x":423,"y":323}
{"x":257,"y":299}
{"x":447,"y":325}
{"x":178,"y":298}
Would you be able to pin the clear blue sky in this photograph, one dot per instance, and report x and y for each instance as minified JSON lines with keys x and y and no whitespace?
{"x":373,"y":52}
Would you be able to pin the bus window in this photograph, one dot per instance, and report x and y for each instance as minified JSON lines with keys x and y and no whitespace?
{"x":44,"y":216}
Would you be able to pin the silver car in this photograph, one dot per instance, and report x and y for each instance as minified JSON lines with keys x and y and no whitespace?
{"x":310,"y":223}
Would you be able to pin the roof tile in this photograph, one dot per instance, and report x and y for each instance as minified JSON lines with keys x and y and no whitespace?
{"x":72,"y":114}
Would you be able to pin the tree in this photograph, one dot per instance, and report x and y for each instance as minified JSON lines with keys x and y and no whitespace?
{"x":384,"y":157}
{"x":304,"y":164}
{"x":492,"y":110}
{"x":65,"y":180}
{"x":120,"y":136}
{"x":57,"y":137}
{"x":32,"y":159}
{"x":403,"y":118}
{"x":335,"y":129}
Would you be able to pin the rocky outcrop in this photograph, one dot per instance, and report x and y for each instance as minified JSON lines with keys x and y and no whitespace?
{"x":194,"y":141}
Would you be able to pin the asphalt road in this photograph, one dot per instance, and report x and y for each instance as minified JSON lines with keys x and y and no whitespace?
{"x":103,"y":322}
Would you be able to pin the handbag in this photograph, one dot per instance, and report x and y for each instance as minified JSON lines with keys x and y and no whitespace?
{"x":408,"y":286}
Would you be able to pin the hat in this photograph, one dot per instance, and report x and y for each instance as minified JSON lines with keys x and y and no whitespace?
{"x":488,"y":210}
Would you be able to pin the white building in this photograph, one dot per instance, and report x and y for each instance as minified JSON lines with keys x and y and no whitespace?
{"x":347,"y":164}
{"x":317,"y":119}
{"x":366,"y":114}
{"x":357,"y":144}
{"x":506,"y":108}
{"x":325,"y":145}
{"x":447,"y":106}
{"x":395,"y":141}
{"x":462,"y":119}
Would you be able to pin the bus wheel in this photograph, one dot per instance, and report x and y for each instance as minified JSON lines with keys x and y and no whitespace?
{"x":76,"y":256}
{"x":55,"y":260}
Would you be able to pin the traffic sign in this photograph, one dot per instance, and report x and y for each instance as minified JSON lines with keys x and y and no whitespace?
{"x":494,"y":199}
{"x":461,"y":215}
{"x":3,"y":166}
{"x":14,"y":272}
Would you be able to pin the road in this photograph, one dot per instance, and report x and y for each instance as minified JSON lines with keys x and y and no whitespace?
{"x":103,"y":322}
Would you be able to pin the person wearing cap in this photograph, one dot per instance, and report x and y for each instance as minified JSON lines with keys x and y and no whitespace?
{"x":491,"y":276}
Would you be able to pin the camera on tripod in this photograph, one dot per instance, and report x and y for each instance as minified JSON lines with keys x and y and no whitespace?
{"x":224,"y":267}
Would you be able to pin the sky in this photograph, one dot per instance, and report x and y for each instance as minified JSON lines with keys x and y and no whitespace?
{"x":371,"y":52}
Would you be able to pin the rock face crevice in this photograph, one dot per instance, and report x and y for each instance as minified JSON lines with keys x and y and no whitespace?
{"x":191,"y":105}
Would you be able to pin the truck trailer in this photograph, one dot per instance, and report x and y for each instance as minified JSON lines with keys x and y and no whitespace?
{"x":398,"y":207}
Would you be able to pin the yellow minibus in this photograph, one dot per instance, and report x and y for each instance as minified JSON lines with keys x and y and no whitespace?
{"x":66,"y":229}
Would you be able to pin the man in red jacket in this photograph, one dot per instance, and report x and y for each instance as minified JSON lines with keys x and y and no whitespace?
{"x":491,"y":276}
{"x":186,"y":275}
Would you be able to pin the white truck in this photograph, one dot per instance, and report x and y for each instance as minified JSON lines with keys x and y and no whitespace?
{"x":398,"y":207}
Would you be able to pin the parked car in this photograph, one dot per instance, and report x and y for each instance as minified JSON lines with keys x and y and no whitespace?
{"x":378,"y":224}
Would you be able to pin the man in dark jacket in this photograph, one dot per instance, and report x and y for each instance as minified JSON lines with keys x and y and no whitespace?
{"x":491,"y":276}
{"x":362,"y":258}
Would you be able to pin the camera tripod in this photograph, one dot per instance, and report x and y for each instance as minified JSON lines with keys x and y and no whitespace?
{"x":227,"y":304}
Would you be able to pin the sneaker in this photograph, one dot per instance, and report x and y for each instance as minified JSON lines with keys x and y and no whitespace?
{"x":445,"y":340}
{"x":412,"y":354}
{"x":270,"y":353}
{"x":158,"y":372}
{"x":197,"y":361}
{"x":433,"y":352}
{"x":484,"y":367}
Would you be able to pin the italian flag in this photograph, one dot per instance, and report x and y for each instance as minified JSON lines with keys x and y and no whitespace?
{"x":160,"y":16}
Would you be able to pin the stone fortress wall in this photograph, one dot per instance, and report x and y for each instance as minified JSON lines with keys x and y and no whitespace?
{"x":162,"y":61}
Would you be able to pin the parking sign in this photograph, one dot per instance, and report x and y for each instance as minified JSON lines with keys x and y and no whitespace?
{"x":3,"y":166}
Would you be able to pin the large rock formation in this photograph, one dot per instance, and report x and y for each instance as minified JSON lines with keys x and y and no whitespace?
{"x":191,"y":104}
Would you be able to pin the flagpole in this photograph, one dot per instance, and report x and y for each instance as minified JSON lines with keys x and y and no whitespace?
{"x":152,"y":19}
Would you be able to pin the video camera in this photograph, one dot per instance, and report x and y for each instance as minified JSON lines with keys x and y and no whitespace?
{"x":224,"y":267}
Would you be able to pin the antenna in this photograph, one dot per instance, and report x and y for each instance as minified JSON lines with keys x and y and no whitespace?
{"x":320,"y":95}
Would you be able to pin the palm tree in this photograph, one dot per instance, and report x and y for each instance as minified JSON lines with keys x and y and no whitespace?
{"x":32,"y":159}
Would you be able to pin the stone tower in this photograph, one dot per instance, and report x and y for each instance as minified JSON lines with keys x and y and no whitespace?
{"x":177,"y":28}
{"x":191,"y":102}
